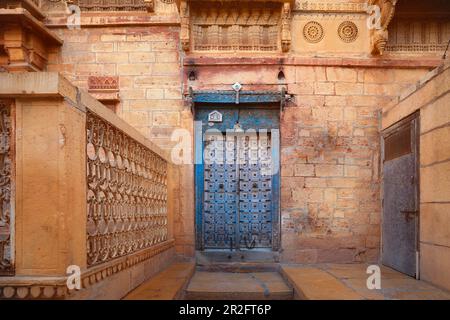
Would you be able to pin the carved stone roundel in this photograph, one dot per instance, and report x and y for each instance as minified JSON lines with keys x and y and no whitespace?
{"x":348,"y":31}
{"x":313,"y":32}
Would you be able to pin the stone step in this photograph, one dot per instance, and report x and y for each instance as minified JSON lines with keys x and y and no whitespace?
{"x":169,"y":284}
{"x":238,"y":286}
{"x":236,"y":256}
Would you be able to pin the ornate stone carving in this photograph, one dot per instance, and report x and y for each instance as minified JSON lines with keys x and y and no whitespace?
{"x":379,"y":34}
{"x":6,"y":265}
{"x":328,"y":7}
{"x":127,"y":193}
{"x":286,"y":27}
{"x":418,"y":35}
{"x":57,"y":288}
{"x":105,"y":89}
{"x":115,"y":5}
{"x":185,"y":30}
{"x":348,"y":31}
{"x":103,"y":83}
{"x":313,"y":32}
{"x":233,"y":26}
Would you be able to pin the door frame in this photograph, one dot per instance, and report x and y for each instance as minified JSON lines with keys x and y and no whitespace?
{"x":199,"y":182}
{"x":415,"y":141}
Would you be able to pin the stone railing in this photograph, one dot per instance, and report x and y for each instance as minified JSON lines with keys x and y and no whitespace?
{"x":126,"y":193}
{"x":79,"y":188}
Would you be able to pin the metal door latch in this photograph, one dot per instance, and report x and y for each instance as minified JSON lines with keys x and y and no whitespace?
{"x":237,"y":87}
{"x":409,"y":214}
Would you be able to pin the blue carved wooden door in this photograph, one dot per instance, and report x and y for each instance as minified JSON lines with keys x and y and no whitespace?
{"x":237,"y":182}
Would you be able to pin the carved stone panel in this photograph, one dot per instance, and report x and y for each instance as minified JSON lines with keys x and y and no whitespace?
{"x":240,"y":26}
{"x":6,"y":263}
{"x":115,"y":5}
{"x":412,"y":36}
{"x":126,"y":193}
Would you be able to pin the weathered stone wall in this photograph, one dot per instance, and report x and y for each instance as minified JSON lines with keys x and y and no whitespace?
{"x":431,"y":96}
{"x":330,"y":141}
{"x":330,"y":184}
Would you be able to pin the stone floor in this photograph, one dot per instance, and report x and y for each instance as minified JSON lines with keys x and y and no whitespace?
{"x":166,"y":285}
{"x":309,"y":282}
{"x":238,"y":286}
{"x":348,"y":282}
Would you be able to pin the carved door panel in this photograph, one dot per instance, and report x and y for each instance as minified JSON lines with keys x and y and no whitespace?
{"x":237,"y":207}
{"x":400,"y":198}
{"x":220,"y":194}
{"x":255,"y":191}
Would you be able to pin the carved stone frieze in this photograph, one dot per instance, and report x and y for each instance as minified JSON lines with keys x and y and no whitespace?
{"x":418,"y":36}
{"x":329,"y":6}
{"x":127,"y":194}
{"x":57,"y":288}
{"x":115,"y":5}
{"x":6,"y":264}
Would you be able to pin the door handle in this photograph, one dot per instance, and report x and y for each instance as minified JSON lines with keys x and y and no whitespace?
{"x":409,"y":214}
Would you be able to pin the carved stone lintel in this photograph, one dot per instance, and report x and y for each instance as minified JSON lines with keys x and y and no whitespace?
{"x":379,"y":34}
{"x":185,"y":30}
{"x":286,"y":27}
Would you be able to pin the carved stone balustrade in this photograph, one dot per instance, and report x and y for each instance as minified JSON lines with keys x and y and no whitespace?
{"x":79,"y":187}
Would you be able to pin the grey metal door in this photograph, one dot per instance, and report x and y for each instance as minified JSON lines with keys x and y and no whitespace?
{"x":400,"y":197}
{"x":238,"y":191}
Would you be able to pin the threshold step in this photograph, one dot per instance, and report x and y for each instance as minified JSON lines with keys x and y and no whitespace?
{"x":238,"y":286}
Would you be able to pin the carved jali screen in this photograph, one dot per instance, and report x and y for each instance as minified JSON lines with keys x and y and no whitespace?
{"x":127,"y":193}
{"x":235,"y":26}
{"x":6,"y":267}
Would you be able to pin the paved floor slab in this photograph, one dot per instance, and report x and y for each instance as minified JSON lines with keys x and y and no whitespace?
{"x":166,"y":285}
{"x":241,"y":286}
{"x":349,"y":281}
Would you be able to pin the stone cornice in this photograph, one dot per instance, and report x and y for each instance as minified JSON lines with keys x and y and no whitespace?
{"x":114,"y":19}
{"x":306,"y":61}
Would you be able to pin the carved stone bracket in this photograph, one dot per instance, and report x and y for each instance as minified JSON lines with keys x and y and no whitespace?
{"x":25,"y":41}
{"x":379,"y":34}
{"x":286,"y":27}
{"x":185,"y":30}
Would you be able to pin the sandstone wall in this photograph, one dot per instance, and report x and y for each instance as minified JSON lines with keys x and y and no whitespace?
{"x":431,"y":96}
{"x":330,"y":184}
{"x":329,"y":131}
